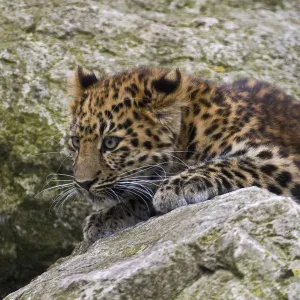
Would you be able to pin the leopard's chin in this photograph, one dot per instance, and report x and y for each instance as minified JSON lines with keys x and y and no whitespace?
{"x":101,"y":202}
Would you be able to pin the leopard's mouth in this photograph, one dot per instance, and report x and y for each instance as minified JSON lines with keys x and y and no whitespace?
{"x":101,"y":200}
{"x":110,"y":193}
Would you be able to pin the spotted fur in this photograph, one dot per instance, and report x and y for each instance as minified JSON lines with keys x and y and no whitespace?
{"x":164,"y":139}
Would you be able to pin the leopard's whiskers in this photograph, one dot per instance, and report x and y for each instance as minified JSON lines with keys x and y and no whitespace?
{"x":109,"y":193}
{"x":60,"y":196}
{"x":141,"y":187}
{"x":134,"y":191}
{"x":137,"y":181}
{"x":144,"y":168}
{"x":137,"y":188}
{"x":60,"y":174}
{"x":65,"y":185}
{"x":71,"y":194}
{"x":53,"y":176}
{"x":114,"y":193}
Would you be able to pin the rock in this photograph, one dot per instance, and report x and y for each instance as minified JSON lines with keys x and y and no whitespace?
{"x":243,"y":245}
{"x":41,"y":41}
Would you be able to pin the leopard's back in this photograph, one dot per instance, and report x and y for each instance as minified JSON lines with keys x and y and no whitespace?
{"x":277,"y":113}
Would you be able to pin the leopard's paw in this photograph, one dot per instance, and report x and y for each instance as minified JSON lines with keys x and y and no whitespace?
{"x":94,"y":227}
{"x":168,"y":197}
{"x":178,"y":192}
{"x":102,"y":224}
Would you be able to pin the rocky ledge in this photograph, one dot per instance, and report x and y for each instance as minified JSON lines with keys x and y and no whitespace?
{"x":242,"y":245}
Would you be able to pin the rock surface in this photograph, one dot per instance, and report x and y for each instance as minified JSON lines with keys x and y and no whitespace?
{"x":41,"y":41}
{"x":243,"y":245}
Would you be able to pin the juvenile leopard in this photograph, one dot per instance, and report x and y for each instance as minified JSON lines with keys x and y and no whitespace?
{"x":149,"y":140}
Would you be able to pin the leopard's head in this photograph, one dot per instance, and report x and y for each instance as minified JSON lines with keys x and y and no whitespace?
{"x":124,"y":130}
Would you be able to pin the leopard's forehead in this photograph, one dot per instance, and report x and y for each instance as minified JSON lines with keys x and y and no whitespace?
{"x":113,"y":103}
{"x":131,"y":99}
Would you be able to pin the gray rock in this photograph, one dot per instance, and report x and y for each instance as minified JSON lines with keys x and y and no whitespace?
{"x":243,"y":245}
{"x":41,"y":41}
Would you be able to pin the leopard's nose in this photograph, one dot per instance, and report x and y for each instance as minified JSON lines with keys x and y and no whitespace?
{"x":86,"y":184}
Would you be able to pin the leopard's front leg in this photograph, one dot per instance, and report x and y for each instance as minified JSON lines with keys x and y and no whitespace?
{"x":102,"y":224}
{"x":221,"y":176}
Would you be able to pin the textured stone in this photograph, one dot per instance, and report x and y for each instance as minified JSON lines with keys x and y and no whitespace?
{"x":243,"y":245}
{"x":41,"y":41}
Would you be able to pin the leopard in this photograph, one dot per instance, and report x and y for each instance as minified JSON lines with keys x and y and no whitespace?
{"x":149,"y":140}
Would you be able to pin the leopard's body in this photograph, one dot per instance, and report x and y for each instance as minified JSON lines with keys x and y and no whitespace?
{"x":151,"y":140}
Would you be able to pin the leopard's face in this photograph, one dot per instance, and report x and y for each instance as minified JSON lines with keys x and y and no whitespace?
{"x":119,"y":139}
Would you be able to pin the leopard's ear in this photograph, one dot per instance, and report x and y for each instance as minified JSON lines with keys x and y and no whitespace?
{"x":168,"y":83}
{"x":82,"y":80}
{"x":166,"y":105}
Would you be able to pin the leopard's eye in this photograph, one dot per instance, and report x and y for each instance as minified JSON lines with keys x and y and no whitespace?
{"x":75,"y":142}
{"x":110,"y":142}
